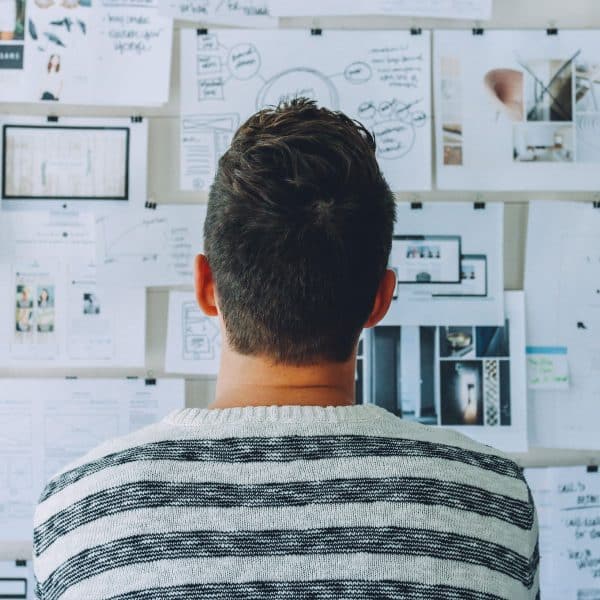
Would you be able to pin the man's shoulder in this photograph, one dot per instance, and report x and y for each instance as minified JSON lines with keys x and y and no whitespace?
{"x":442,"y":441}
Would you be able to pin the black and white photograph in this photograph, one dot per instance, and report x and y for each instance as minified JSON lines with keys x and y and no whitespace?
{"x":549,"y":89}
{"x":91,"y":304}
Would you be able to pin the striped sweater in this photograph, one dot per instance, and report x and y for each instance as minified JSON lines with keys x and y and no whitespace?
{"x":288,"y":503}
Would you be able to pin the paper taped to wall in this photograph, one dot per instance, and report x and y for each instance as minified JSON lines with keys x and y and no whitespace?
{"x":193,"y":339}
{"x":448,"y":260}
{"x":46,"y":424}
{"x":105,"y":52}
{"x":567,"y":502}
{"x":74,"y":161}
{"x":469,"y":378}
{"x":380,"y":78}
{"x":517,"y":110}
{"x":55,"y":315}
{"x":150,"y":247}
{"x":562,"y":271}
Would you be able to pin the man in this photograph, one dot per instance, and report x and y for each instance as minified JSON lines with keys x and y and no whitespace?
{"x":283,"y":488}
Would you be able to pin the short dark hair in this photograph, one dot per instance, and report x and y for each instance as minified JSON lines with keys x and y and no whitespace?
{"x":298,"y":233}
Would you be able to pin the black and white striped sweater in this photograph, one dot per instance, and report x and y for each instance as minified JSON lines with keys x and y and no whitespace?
{"x":288,"y":503}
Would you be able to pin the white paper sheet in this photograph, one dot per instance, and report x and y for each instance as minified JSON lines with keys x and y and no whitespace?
{"x":562,"y":271}
{"x":47,"y":423}
{"x":464,"y":377}
{"x":381,"y":78}
{"x":448,"y":258}
{"x":55,"y":315}
{"x":193,"y":339}
{"x":150,"y":247}
{"x":114,"y":52}
{"x":247,"y":13}
{"x":568,"y":505}
{"x":17,"y":581}
{"x":451,"y":9}
{"x":517,"y":110}
{"x":73,"y":160}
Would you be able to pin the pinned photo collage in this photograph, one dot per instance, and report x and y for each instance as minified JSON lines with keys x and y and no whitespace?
{"x":471,"y":378}
{"x":524,"y":114}
{"x":447,"y":375}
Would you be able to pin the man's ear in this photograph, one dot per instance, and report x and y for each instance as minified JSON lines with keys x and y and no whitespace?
{"x":383,"y":298}
{"x":205,"y":286}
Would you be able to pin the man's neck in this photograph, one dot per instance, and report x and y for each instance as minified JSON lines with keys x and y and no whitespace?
{"x":256,"y":381}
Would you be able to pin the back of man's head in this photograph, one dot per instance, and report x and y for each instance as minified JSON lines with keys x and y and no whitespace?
{"x":298,"y":234}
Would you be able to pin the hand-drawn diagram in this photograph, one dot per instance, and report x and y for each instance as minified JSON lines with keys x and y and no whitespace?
{"x":378,"y":78}
{"x":143,"y":241}
{"x":149,"y":247}
{"x":201,"y":338}
{"x":193,"y":339}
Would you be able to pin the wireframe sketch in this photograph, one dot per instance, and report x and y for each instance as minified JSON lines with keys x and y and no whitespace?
{"x":379,"y":79}
{"x":204,"y":139}
{"x":201,"y":336}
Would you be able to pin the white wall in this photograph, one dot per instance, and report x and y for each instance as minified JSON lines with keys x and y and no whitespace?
{"x":164,"y":173}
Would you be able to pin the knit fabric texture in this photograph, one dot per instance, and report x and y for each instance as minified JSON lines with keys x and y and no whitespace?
{"x":288,"y":503}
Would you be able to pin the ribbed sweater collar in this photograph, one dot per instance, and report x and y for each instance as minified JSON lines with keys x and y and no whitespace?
{"x":287,"y":414}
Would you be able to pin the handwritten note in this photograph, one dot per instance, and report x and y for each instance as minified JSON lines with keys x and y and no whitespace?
{"x":115,"y":52}
{"x":135,"y":41}
{"x":568,"y":504}
{"x":243,"y":13}
{"x":547,"y":368}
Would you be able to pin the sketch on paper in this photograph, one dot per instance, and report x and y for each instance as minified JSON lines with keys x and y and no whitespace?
{"x":201,"y":336}
{"x":193,"y":339}
{"x":568,"y":511}
{"x":149,"y":247}
{"x":204,"y":139}
{"x":527,"y":108}
{"x":379,"y":79}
